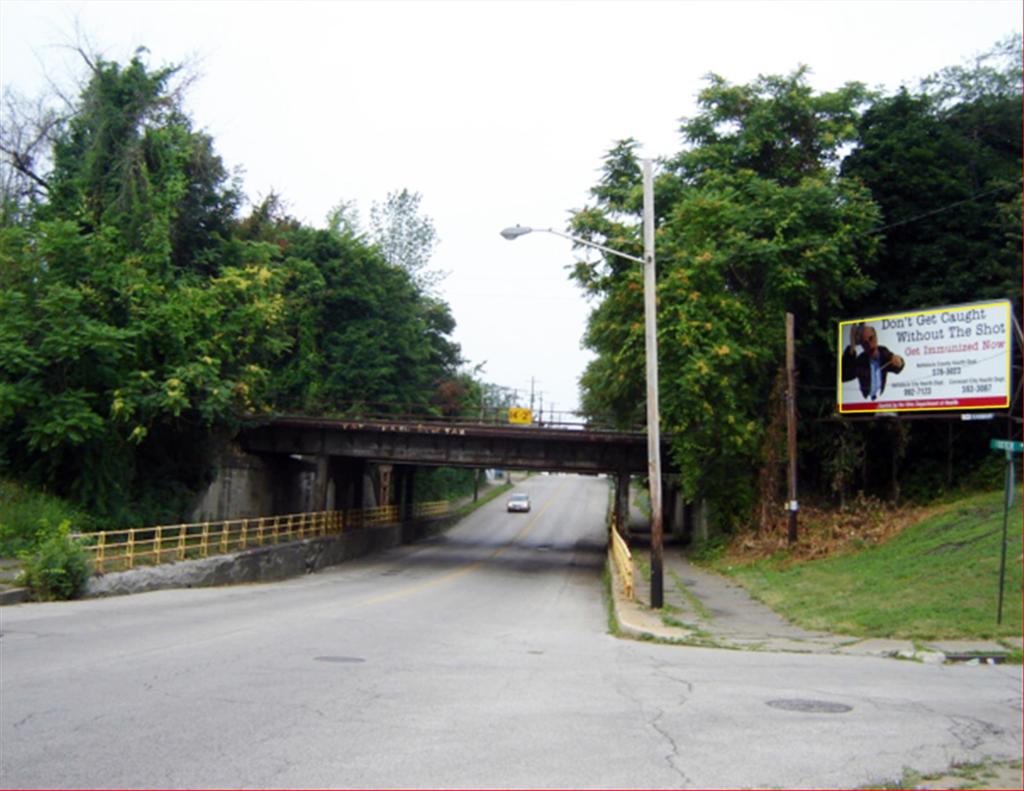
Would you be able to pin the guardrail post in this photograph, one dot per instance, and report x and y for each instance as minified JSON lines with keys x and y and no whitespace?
{"x":100,"y":547}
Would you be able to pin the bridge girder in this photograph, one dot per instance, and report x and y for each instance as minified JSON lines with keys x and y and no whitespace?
{"x":451,"y":445}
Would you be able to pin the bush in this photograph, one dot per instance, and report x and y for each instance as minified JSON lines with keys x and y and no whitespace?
{"x":58,"y":568}
{"x":23,"y":510}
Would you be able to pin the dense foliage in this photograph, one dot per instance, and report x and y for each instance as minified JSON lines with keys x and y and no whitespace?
{"x":140,"y":316}
{"x":819,"y":204}
{"x":57,"y":568}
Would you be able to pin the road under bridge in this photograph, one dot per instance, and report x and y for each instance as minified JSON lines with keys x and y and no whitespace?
{"x":342,"y":449}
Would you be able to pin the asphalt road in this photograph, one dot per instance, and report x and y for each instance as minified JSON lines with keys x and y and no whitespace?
{"x":477,"y":659}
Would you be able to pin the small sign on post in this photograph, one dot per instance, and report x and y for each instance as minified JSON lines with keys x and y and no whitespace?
{"x":520,"y":416}
{"x":1009,"y":447}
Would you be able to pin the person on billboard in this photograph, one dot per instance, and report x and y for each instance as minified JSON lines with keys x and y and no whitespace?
{"x":872,"y":365}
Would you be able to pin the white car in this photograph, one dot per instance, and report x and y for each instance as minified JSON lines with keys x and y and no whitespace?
{"x":519,"y":502}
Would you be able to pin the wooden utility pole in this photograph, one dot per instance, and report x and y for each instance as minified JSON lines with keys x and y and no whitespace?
{"x":476,"y":479}
{"x":653,"y":413}
{"x":792,"y":505}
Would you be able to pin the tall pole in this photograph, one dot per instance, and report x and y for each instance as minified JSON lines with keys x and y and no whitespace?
{"x":791,"y":424}
{"x":476,"y":479}
{"x":653,"y":415}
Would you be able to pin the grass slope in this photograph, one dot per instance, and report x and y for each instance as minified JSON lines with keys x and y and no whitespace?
{"x":936,"y":579}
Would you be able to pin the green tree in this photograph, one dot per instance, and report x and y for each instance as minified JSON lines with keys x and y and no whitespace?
{"x":944,"y":166}
{"x":366,"y":336}
{"x":406,"y":238}
{"x":753,"y":220}
{"x":132,"y":331}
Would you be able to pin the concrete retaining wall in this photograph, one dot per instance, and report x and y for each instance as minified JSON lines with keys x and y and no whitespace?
{"x":266,"y":564}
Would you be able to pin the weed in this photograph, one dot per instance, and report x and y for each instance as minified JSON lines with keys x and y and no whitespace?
{"x":936,"y":578}
{"x":695,"y":603}
{"x":58,"y":567}
{"x":485,"y":498}
{"x":609,"y":599}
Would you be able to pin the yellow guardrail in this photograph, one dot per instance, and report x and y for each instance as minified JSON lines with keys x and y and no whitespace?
{"x":116,"y":550}
{"x":623,"y":560}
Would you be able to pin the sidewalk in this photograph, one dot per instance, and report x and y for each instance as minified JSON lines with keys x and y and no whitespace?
{"x":706,"y":609}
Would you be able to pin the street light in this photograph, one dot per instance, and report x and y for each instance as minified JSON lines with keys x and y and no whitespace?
{"x":651,"y":352}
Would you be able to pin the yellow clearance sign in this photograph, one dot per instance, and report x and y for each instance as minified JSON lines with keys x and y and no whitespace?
{"x":952,"y":358}
{"x":520,"y":415}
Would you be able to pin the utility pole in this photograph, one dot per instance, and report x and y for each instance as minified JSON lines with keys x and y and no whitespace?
{"x":476,"y":480}
{"x":653,"y":413}
{"x":792,"y":505}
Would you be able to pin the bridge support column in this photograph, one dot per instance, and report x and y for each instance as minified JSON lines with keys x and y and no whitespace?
{"x":622,"y":502}
{"x":321,"y":483}
{"x":386,"y":474}
{"x":674,"y":523}
{"x":404,"y":486}
{"x":349,"y":475}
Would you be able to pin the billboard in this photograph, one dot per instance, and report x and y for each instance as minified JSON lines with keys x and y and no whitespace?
{"x":951,"y":358}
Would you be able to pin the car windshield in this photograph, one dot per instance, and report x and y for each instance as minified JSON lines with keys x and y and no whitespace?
{"x":520,"y":497}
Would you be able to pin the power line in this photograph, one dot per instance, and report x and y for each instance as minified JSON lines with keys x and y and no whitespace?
{"x":941,"y":209}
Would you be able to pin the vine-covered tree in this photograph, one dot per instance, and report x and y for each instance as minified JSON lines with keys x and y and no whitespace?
{"x":140,"y":318}
{"x":753,"y":220}
{"x":944,"y":166}
{"x":129,"y":332}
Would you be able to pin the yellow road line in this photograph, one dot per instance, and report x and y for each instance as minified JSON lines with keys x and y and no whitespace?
{"x":453,"y":575}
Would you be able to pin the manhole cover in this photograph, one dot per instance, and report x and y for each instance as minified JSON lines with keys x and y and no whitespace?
{"x":340,"y":660}
{"x":810,"y":706}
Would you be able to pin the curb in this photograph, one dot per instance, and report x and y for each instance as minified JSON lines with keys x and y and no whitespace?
{"x":14,"y":596}
{"x":629,"y":626}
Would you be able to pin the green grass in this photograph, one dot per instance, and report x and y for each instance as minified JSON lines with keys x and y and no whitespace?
{"x":936,"y":579}
{"x":698,"y":606}
{"x":989,"y":774}
{"x":24,"y":512}
{"x":609,"y":601}
{"x":484,"y":498}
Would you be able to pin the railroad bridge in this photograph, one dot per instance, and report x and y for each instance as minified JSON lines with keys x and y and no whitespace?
{"x":339,"y":455}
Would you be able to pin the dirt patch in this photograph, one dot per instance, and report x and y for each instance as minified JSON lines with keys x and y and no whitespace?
{"x":826,"y":532}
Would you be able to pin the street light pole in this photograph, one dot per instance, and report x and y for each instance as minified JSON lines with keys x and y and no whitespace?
{"x":651,"y":353}
{"x":653,"y":413}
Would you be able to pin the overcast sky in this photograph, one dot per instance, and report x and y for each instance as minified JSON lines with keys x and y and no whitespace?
{"x":495,"y":112}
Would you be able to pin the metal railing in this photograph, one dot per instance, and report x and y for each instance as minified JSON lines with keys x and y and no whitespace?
{"x":117,"y":550}
{"x":623,"y":559}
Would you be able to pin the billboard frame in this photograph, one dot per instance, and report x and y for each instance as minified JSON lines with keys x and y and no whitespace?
{"x":911,"y":322}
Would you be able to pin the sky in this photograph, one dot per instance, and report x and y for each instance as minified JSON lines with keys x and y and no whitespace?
{"x":495,"y":112}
